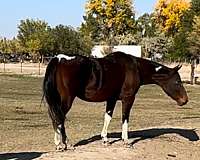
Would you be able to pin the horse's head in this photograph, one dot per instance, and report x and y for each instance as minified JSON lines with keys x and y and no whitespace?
{"x":170,"y":81}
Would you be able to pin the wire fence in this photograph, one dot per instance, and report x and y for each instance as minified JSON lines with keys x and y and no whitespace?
{"x":39,"y":68}
{"x":25,"y":67}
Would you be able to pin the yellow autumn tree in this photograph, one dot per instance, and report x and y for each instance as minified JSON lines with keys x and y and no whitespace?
{"x":111,"y":17}
{"x":168,"y":14}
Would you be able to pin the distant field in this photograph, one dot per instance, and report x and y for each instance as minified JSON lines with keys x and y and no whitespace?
{"x":25,"y":125}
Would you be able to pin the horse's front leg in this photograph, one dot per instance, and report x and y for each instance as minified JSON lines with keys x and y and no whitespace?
{"x":126,"y":107}
{"x":107,"y":118}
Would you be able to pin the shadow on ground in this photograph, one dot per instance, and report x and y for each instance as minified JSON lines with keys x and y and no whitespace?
{"x":189,"y":134}
{"x":20,"y":155}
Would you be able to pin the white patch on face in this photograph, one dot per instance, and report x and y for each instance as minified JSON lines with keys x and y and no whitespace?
{"x":58,"y":136}
{"x":158,"y":68}
{"x":125,"y":130}
{"x":107,"y":120}
{"x":60,"y":56}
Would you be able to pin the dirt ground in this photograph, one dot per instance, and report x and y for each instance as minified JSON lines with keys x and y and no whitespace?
{"x":158,"y":129}
{"x":149,"y":144}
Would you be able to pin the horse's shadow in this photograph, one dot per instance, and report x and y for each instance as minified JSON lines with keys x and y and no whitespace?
{"x":139,"y":135}
{"x":20,"y":155}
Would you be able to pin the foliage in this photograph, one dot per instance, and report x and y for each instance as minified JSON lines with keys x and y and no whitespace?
{"x":156,"y":47}
{"x":3,"y":45}
{"x":195,"y":6}
{"x":38,"y":38}
{"x":9,"y":46}
{"x":182,"y":46}
{"x":168,"y":14}
{"x":127,"y":39}
{"x":68,"y":40}
{"x":146,"y":25}
{"x":112,"y":22}
{"x":33,"y":36}
{"x":107,"y":18}
{"x":194,"y":38}
{"x":179,"y":46}
{"x":90,"y":28}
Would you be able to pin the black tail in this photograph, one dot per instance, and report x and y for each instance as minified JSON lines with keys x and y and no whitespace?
{"x":51,"y":93}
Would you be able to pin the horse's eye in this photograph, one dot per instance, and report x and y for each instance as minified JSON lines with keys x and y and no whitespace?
{"x":178,"y":82}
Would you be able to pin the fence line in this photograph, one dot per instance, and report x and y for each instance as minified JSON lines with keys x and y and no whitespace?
{"x":23,"y":68}
{"x":39,"y":69}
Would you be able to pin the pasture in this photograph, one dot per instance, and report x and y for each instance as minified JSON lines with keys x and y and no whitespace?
{"x":159,"y":129}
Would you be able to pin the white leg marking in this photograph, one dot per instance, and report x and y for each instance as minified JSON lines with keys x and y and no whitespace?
{"x":107,"y":120}
{"x":58,"y":136}
{"x":125,"y":131}
{"x":60,"y":56}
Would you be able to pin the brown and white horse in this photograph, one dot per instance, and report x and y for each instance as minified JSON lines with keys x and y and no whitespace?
{"x":117,"y":76}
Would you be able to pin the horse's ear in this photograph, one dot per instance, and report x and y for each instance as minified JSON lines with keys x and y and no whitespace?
{"x":177,"y":68}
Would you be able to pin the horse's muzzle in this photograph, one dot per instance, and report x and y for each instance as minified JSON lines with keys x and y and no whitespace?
{"x":182,"y":101}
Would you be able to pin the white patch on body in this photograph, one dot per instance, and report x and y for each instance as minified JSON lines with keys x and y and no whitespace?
{"x":58,"y":136}
{"x":107,"y":120}
{"x":158,"y":68}
{"x":60,"y":56}
{"x":125,"y":130}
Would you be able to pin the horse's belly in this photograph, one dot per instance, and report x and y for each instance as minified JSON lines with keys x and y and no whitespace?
{"x":94,"y":95}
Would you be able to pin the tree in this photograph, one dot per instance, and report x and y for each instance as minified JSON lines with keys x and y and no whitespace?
{"x":146,"y":25}
{"x":181,"y":41}
{"x":4,"y":45}
{"x":108,"y":18}
{"x":195,"y":6}
{"x":90,"y":28}
{"x":68,"y":40}
{"x":127,"y":39}
{"x":156,"y":47}
{"x":15,"y":47}
{"x":168,"y":14}
{"x":34,"y":37}
{"x":194,"y":45}
{"x":194,"y":38}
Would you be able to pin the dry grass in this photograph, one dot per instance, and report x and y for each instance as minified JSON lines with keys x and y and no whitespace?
{"x":25,"y":126}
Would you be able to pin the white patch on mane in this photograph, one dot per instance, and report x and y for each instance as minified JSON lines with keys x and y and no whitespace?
{"x":158,"y":68}
{"x":60,"y":56}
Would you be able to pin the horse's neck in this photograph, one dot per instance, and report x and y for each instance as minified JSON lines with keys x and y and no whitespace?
{"x":146,"y":69}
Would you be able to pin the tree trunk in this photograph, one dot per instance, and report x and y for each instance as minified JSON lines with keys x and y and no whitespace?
{"x":192,"y":72}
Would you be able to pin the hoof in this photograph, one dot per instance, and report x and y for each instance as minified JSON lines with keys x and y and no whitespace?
{"x":106,"y":143}
{"x":61,"y":147}
{"x":125,"y":141}
{"x":70,"y":147}
{"x":126,"y":144}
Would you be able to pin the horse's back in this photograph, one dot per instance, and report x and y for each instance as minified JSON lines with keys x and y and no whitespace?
{"x":94,"y":79}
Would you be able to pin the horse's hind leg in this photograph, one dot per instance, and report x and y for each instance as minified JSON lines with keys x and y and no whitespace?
{"x":107,"y":118}
{"x":60,"y":134}
{"x":60,"y":137}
